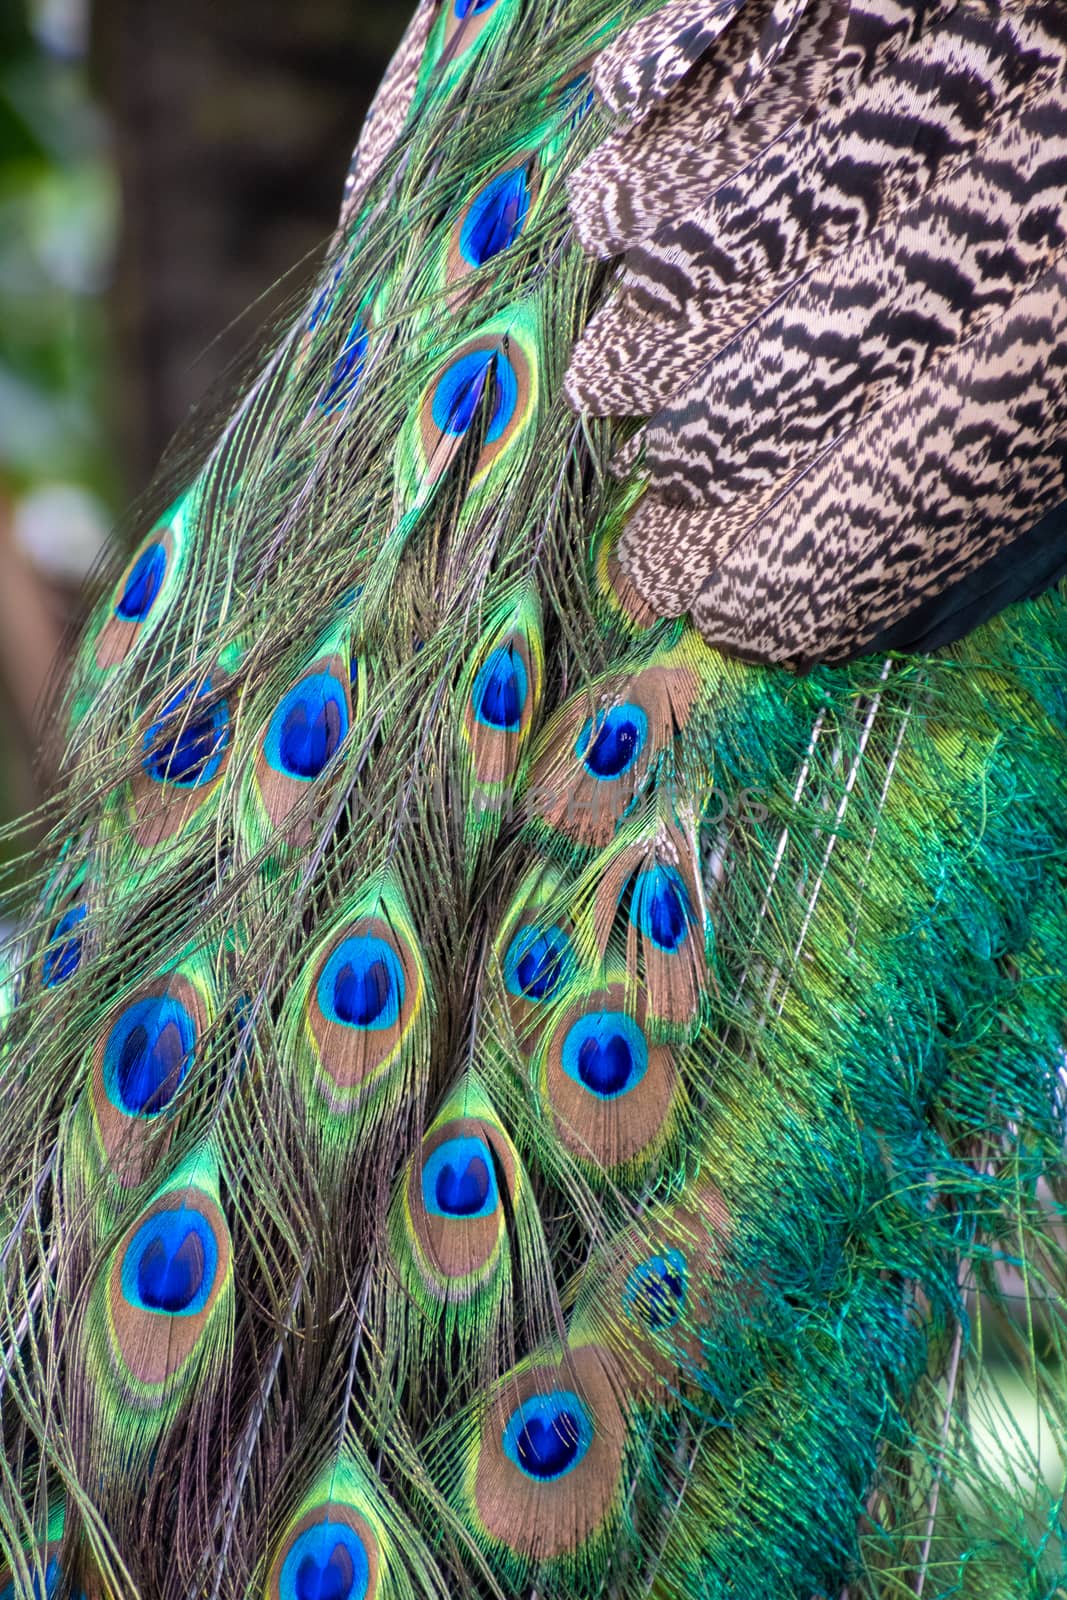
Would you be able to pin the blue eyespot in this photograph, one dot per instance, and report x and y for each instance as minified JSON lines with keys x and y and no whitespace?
{"x":537,"y":962}
{"x":458,"y":1180}
{"x":169,"y":1273}
{"x":143,"y":584}
{"x":327,"y":1562}
{"x":548,"y":1435}
{"x":324,"y":301}
{"x":348,"y":368}
{"x":147,"y":1055}
{"x":469,"y":8}
{"x":51,"y":1584}
{"x":192,"y":754}
{"x":500,"y":689}
{"x":308,"y":727}
{"x":611,"y":742}
{"x":459,"y":391}
{"x":575,"y":99}
{"x":655,"y":1291}
{"x":495,"y":217}
{"x":362,"y":984}
{"x":171,"y":1262}
{"x":660,"y":907}
{"x":64,"y":953}
{"x":606,"y":1052}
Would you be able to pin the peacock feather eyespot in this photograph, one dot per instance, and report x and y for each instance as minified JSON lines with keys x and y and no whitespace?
{"x":141,"y":1060}
{"x":655,"y":1291}
{"x":171,"y":1263}
{"x":458,"y":392}
{"x":165,"y":1290}
{"x":548,"y":1463}
{"x":186,"y":747}
{"x":142,"y":583}
{"x":547,"y":1436}
{"x":137,"y":598}
{"x":594,"y":758}
{"x":147,"y":1054}
{"x":449,"y":1222}
{"x":327,"y":1561}
{"x":490,"y":377}
{"x":63,"y":953}
{"x":660,"y":907}
{"x":308,"y":728}
{"x":611,"y":742}
{"x":652,"y":886}
{"x":300,"y":738}
{"x":538,"y":962}
{"x":492,"y":219}
{"x":330,"y":1550}
{"x":354,"y":1017}
{"x":609,"y":1090}
{"x":52,"y":1576}
{"x":362,"y":984}
{"x":502,"y":696}
{"x":501,"y":689}
{"x":536,"y":954}
{"x":495,"y":217}
{"x":606,"y":1052}
{"x":347,"y":370}
{"x":458,"y":1180}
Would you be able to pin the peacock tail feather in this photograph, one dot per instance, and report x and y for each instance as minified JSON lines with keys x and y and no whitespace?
{"x":509,"y":1089}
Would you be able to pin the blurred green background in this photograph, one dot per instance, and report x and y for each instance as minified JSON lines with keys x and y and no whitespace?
{"x":168,"y":172}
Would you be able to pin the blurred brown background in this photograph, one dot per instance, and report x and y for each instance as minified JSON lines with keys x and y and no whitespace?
{"x":233,"y":122}
{"x":168,"y":173}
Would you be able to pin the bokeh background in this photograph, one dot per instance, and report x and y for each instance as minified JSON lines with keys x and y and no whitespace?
{"x":169,"y":173}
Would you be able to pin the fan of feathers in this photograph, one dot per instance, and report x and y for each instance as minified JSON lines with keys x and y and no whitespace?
{"x":532,"y":1056}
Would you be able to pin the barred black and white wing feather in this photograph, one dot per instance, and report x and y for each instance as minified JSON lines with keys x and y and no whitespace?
{"x":842,"y":326}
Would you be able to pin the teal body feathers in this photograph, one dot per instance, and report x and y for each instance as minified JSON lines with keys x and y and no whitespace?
{"x":501,"y":1098}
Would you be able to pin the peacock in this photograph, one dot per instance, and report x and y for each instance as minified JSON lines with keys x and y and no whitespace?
{"x":532,"y":1055}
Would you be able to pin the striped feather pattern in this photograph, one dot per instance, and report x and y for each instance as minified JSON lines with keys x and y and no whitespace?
{"x":854,"y":171}
{"x":845,"y":343}
{"x":388,"y":109}
{"x":853,"y":255}
{"x":1004,"y":433}
{"x":643,"y":176}
{"x":647,"y":60}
